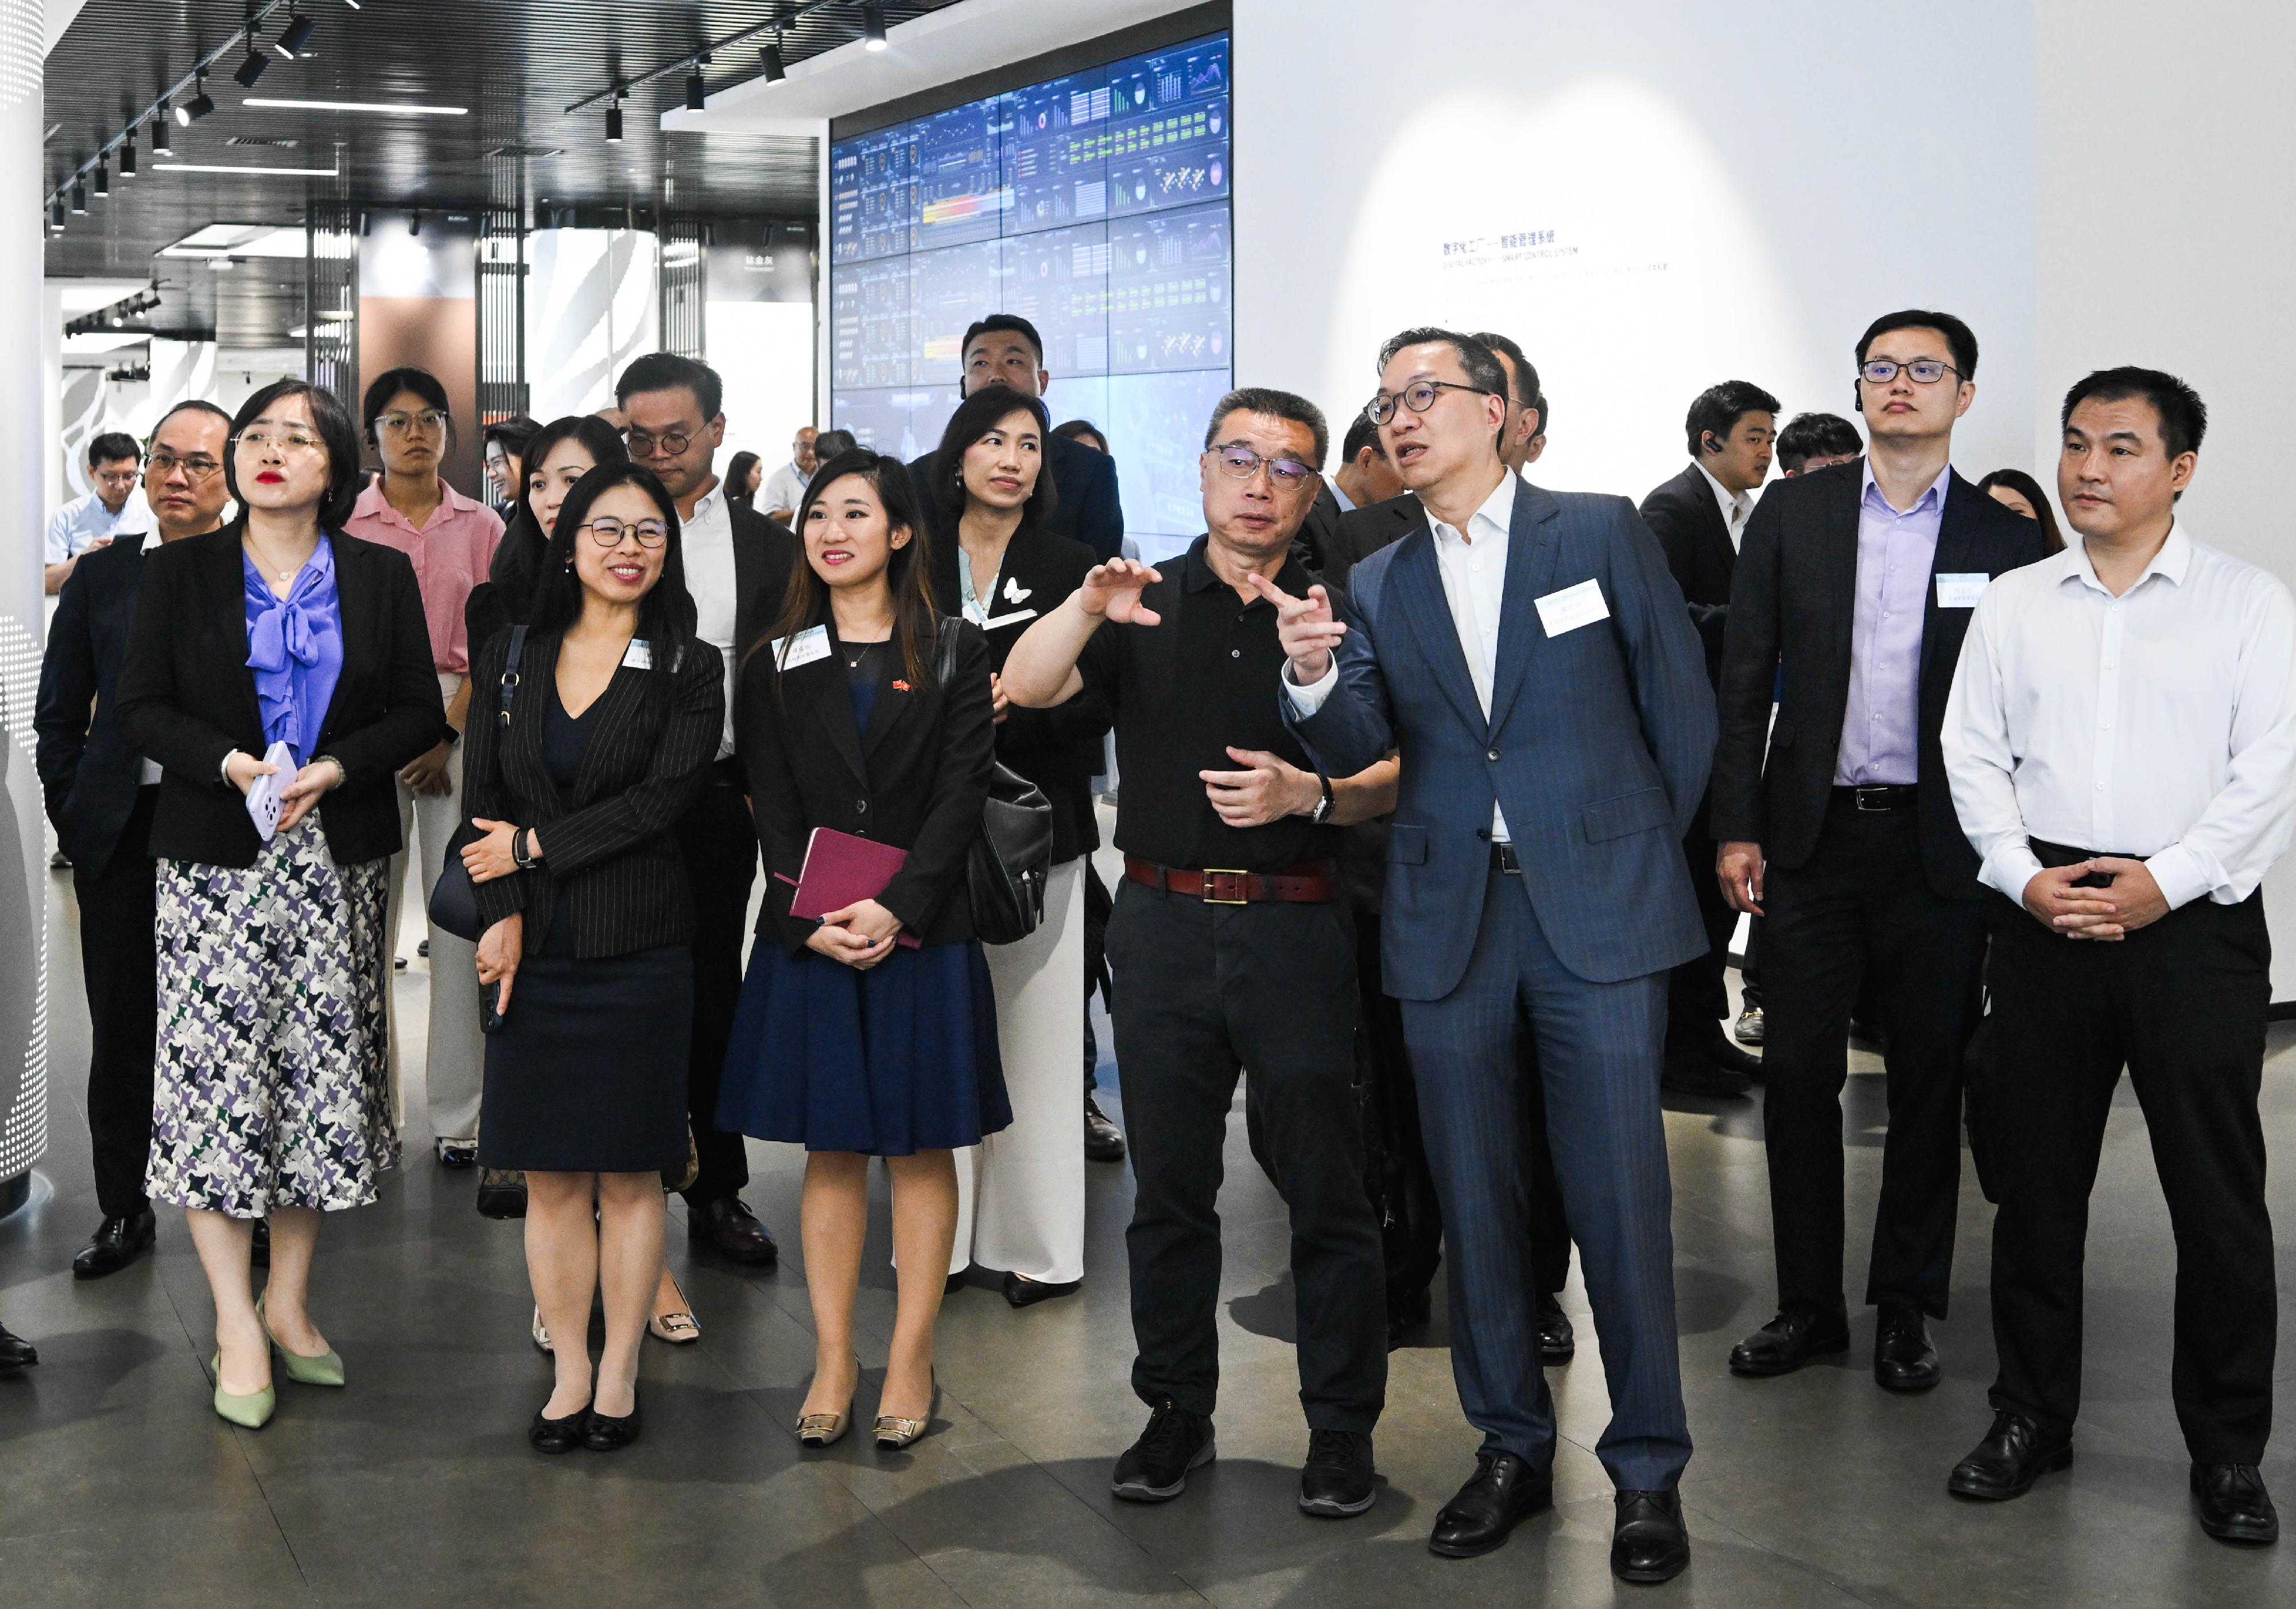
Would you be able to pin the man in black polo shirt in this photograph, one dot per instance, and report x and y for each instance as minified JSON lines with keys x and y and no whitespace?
{"x":1235,"y":951}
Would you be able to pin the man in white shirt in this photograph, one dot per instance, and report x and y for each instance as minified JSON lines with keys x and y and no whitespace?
{"x":2121,"y":745}
{"x":784,"y":488}
{"x":114,"y":463}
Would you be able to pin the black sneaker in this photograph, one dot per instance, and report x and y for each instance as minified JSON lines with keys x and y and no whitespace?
{"x":1155,"y":1469}
{"x":1337,"y":1481}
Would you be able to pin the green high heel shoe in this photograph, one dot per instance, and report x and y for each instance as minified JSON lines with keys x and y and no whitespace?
{"x":251,"y":1412}
{"x":326,"y":1370}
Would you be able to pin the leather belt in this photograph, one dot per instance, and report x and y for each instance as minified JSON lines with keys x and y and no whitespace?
{"x":1874,"y":798}
{"x":1310,"y":882}
{"x":1504,"y":861}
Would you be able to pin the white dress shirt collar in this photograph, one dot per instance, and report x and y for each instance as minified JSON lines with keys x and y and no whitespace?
{"x":1734,"y":506}
{"x":2172,"y":563}
{"x":1347,"y":504}
{"x":1496,"y":514}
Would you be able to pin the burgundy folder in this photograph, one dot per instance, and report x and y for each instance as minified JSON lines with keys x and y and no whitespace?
{"x":840,"y":869}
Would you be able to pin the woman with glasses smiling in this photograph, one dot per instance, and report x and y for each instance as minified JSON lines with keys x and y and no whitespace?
{"x":271,"y":1093}
{"x":588,"y":749}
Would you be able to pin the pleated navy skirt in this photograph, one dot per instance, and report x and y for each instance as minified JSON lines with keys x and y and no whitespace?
{"x":890,"y":1062}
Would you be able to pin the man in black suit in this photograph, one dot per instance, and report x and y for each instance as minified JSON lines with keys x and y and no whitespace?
{"x":737,"y":565}
{"x":1005,"y":349}
{"x":101,"y":795}
{"x":1698,"y":518}
{"x":1364,"y":476}
{"x":1836,"y":825}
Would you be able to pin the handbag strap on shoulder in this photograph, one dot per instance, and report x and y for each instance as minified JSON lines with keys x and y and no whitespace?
{"x":509,"y":684}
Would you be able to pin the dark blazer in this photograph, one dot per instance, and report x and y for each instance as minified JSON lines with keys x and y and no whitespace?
{"x":1320,"y":529}
{"x":187,"y":698}
{"x":1059,"y":748}
{"x":1687,"y":521}
{"x":1362,"y":532}
{"x":1086,"y":505}
{"x":1596,"y":746}
{"x":1793,"y":604}
{"x":917,"y":779}
{"x":89,"y":772}
{"x":608,"y":855}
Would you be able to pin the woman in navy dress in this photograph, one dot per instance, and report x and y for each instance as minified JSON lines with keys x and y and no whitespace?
{"x":872,"y":1031}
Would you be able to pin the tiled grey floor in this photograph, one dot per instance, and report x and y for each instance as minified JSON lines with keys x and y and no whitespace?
{"x":117,"y":1486}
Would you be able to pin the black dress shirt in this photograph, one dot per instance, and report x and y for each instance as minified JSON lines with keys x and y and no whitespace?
{"x":1186,"y":691}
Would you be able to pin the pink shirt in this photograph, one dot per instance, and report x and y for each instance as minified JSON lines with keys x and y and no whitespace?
{"x":451,"y":555}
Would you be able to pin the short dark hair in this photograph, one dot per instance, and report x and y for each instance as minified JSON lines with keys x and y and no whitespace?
{"x":346,"y":479}
{"x":670,"y":372}
{"x":1480,"y":363}
{"x":1077,"y":429}
{"x":1720,"y":407}
{"x":513,"y":432}
{"x":388,"y":384}
{"x":1527,"y":396}
{"x":111,"y":446}
{"x":1361,"y":433}
{"x":1959,"y":338}
{"x":974,"y":418}
{"x":1808,"y":436}
{"x":666,"y":614}
{"x":1280,"y":405}
{"x":999,"y":323}
{"x":2184,"y":417}
{"x":195,"y":405}
{"x":2053,"y":540}
{"x":830,"y":443}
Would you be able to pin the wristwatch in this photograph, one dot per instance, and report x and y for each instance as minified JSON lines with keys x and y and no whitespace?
{"x":1322,"y":813}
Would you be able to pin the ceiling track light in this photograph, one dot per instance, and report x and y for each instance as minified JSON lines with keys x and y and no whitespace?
{"x":776,"y":68}
{"x":201,"y":104}
{"x":614,"y":118}
{"x":56,"y":213}
{"x":128,"y":154}
{"x":247,"y":71}
{"x":413,"y":223}
{"x":80,"y":199}
{"x":296,"y":35}
{"x":697,"y":93}
{"x":102,"y":179}
{"x":163,"y":141}
{"x":873,"y":27}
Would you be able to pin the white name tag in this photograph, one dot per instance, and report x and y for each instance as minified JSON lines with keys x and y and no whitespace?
{"x":639,"y":655}
{"x":1960,"y":591}
{"x":1573,"y":607}
{"x":790,"y":652}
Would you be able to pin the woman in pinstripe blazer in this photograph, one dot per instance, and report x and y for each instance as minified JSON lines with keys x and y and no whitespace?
{"x":597,"y":743}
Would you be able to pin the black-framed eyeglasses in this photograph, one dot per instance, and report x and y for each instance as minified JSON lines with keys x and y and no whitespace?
{"x":643,"y":443}
{"x":608,"y":532}
{"x":1419,"y":396}
{"x":1921,"y":371}
{"x":1242,"y":463}
{"x":162,"y":463}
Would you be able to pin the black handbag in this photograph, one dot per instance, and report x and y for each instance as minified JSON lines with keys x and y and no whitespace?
{"x":454,"y":901}
{"x":1011,"y":860}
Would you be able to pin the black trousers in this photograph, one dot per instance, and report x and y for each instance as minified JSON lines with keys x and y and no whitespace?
{"x":120,"y":963}
{"x":720,"y":841}
{"x":1697,"y":997}
{"x":1862,"y":904}
{"x":1205,"y":991}
{"x":2182,"y":1004}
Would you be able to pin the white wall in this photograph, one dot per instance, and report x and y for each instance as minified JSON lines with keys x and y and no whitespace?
{"x":763,"y":350}
{"x":1733,"y":192}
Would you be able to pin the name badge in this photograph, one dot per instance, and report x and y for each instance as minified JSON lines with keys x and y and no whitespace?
{"x":639,"y":655}
{"x":791,"y":653}
{"x":1573,"y":607}
{"x":1960,"y":591}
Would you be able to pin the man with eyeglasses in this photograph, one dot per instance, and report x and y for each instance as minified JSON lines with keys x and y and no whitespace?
{"x":1530,"y":659}
{"x":1231,"y":932}
{"x":1836,"y":827}
{"x":101,"y":795}
{"x":737,"y":564}
{"x":784,"y":488}
{"x":108,"y":511}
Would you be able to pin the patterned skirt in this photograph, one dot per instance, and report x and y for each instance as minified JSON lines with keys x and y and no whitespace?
{"x":272,"y":1087}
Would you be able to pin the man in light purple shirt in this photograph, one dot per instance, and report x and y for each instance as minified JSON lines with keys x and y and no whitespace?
{"x":1895,"y":553}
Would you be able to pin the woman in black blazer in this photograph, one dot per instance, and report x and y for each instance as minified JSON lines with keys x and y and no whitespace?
{"x":1021,"y":1195}
{"x":593,"y":748}
{"x":871,"y":1032}
{"x":276,"y":635}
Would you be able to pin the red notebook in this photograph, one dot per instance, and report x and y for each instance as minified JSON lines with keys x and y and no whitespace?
{"x":840,"y":869}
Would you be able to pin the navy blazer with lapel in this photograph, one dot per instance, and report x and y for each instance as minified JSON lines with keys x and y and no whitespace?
{"x":89,"y":772}
{"x":1687,"y":521}
{"x":1087,"y":507}
{"x":1793,"y":603}
{"x":1596,"y":747}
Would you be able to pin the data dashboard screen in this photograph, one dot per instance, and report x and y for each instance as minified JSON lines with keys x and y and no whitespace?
{"x":1095,"y":206}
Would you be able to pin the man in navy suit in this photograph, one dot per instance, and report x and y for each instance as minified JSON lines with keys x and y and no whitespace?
{"x":101,"y":793}
{"x":1531,"y":659}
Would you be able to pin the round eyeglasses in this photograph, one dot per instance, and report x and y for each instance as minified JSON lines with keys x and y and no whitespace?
{"x":610,"y":531}
{"x":1419,"y":396}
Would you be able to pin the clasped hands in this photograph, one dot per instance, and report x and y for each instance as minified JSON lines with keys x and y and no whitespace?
{"x":298,"y":798}
{"x":2133,"y":900}
{"x":860,"y":935}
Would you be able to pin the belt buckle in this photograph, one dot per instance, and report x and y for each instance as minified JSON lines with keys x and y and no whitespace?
{"x":1211,"y":881}
{"x":1879,"y":793}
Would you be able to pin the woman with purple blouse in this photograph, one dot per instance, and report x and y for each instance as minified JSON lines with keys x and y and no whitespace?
{"x":272,"y":1094}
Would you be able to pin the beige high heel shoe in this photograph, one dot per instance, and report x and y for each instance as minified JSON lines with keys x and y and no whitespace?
{"x":825,"y":1430}
{"x":893,"y":1432}
{"x":679,"y":1329}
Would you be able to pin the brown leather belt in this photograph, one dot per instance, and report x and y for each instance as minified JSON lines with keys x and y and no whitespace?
{"x":1310,"y":882}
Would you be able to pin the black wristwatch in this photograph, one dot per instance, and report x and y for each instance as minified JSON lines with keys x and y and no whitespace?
{"x":1322,"y":813}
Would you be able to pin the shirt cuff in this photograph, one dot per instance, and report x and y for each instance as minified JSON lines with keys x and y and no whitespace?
{"x":1307,"y":700}
{"x":2182,"y":873}
{"x":2009,"y":867}
{"x":224,"y":770}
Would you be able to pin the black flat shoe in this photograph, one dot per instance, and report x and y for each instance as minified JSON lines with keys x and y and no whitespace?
{"x":119,"y":1241}
{"x":2232,"y":1505}
{"x":1729,"y":1058}
{"x":1558,"y":1343}
{"x":605,"y":1433}
{"x":1023,"y":1292}
{"x":1692,"y":1072}
{"x":558,"y":1435}
{"x":1905,"y":1357}
{"x":729,"y":1228}
{"x":1103,"y":1141}
{"x":1649,"y":1543}
{"x":16,"y":1352}
{"x":2014,"y":1454}
{"x":1788,"y":1342}
{"x":1500,"y":1494}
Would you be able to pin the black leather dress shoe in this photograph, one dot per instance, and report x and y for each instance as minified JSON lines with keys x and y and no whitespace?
{"x":119,"y":1241}
{"x":605,"y":1433}
{"x":1729,"y":1058}
{"x":1788,"y":1342}
{"x":1905,"y":1357}
{"x":1027,"y":1292}
{"x":2016,"y":1452}
{"x":1103,"y":1141}
{"x":1650,"y":1542}
{"x":15,"y":1351}
{"x":1690,"y":1070}
{"x":1503,"y":1490}
{"x":2232,"y":1504}
{"x":728,"y":1225}
{"x":1558,"y":1343}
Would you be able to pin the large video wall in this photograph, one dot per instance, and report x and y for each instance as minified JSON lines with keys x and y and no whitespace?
{"x":1095,"y":205}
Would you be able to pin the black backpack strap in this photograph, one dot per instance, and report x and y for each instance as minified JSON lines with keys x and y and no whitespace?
{"x":945,"y":662}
